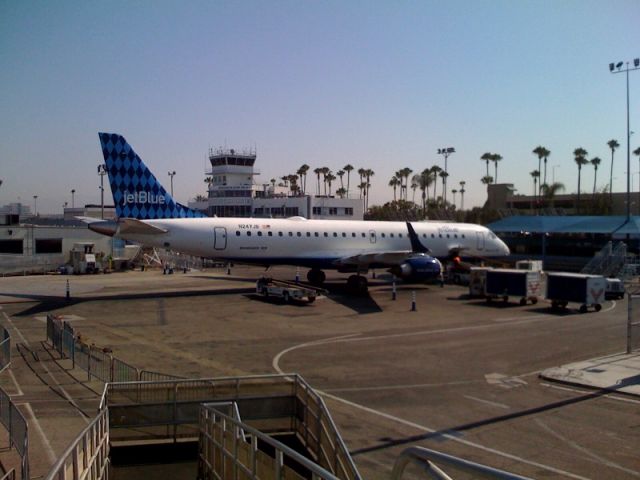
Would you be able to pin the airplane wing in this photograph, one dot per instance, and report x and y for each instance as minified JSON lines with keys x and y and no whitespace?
{"x":133,"y":226}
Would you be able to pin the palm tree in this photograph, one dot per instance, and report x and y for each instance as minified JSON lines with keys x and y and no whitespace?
{"x":444,"y":176}
{"x":368,"y":174}
{"x":363,"y":192}
{"x":495,"y":158}
{"x":536,"y":175}
{"x":486,"y":180}
{"x":285,"y":179}
{"x":462,"y":190}
{"x":348,"y":168}
{"x":318,"y":171}
{"x":330,"y":178}
{"x":405,"y":173}
{"x":394,"y":182}
{"x":580,"y":155}
{"x":424,"y":181}
{"x":542,"y":152}
{"x":341,"y":192}
{"x":595,"y":161}
{"x":325,"y":172}
{"x":341,"y":174}
{"x":361,"y":172}
{"x":435,"y":171}
{"x":550,"y":191}
{"x":613,"y":144}
{"x":302,"y":172}
{"x":414,"y":186}
{"x":486,"y":157}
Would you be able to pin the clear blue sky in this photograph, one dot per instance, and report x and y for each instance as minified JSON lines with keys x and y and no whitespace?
{"x":380,"y":85}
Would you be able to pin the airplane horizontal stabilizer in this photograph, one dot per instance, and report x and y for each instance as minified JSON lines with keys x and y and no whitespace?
{"x":138,"y":227}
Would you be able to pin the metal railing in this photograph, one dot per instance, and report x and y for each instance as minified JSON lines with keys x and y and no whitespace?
{"x":87,"y":458}
{"x":225,"y":452}
{"x":425,"y":458}
{"x":29,"y":264}
{"x":168,"y":410}
{"x":10,"y":475}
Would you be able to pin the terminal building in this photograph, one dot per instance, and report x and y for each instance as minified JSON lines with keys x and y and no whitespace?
{"x":233,"y":191}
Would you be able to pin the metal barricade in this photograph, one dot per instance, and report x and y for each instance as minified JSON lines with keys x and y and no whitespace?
{"x":5,"y":350}
{"x":87,"y":458}
{"x":633,"y":323}
{"x":15,"y":423}
{"x":99,"y":364}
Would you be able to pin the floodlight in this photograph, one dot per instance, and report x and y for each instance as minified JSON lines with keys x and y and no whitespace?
{"x":636,"y":62}
{"x":611,"y":65}
{"x":619,"y":65}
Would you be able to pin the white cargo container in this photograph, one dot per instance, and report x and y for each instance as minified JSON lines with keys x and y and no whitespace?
{"x":587,"y":290}
{"x":477,"y":281}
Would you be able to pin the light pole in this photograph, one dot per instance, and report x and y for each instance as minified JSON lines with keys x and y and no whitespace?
{"x":73,"y":198}
{"x":617,"y":68}
{"x":35,"y":205}
{"x":445,"y":152}
{"x":462,"y":190}
{"x":171,"y":174}
{"x":102,"y":170}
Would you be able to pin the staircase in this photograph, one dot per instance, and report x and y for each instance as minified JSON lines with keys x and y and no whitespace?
{"x":608,"y":262}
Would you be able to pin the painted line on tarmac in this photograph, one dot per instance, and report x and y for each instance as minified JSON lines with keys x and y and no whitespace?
{"x":276,"y":361}
{"x":453,"y":438}
{"x":47,"y":446}
{"x":589,"y":454}
{"x":403,"y":387}
{"x":610,"y":396}
{"x":17,"y":385}
{"x":18,"y":332}
{"x":487,"y":402}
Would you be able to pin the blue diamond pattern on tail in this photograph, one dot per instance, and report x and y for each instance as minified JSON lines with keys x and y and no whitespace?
{"x":136,"y":192}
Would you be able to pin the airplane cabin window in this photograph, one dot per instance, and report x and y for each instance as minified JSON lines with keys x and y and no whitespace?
{"x":335,"y":234}
{"x":391,"y":235}
{"x":382,"y":235}
{"x":248,"y":234}
{"x":424,"y":235}
{"x":237,"y":233}
{"x":364,"y":235}
{"x":400,"y":235}
{"x":299,"y":234}
{"x":440,"y":235}
{"x":353,"y":234}
{"x":344,"y":235}
{"x":291,"y":234}
{"x":433,"y":235}
{"x":455,"y":235}
{"x":270,"y":234}
{"x":259,"y":234}
{"x":316,"y":234}
{"x":326,"y":234}
{"x":447,"y":235}
{"x":308,"y":234}
{"x":279,"y":234}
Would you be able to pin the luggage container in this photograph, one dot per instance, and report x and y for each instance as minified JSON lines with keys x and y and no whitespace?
{"x":477,"y":281}
{"x":506,"y":282}
{"x":587,"y":290}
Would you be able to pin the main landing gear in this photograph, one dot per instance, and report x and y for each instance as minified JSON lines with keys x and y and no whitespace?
{"x":355,"y":283}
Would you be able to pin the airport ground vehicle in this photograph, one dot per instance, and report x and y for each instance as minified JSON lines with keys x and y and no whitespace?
{"x":508,"y":282}
{"x":587,"y":290}
{"x":615,"y":289}
{"x":288,"y":291}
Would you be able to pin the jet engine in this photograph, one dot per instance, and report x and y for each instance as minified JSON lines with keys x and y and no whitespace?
{"x":418,"y":269}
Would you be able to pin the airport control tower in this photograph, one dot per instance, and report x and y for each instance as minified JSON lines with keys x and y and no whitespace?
{"x":231,"y":185}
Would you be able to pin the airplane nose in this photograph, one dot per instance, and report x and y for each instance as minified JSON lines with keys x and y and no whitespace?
{"x":505,"y":249}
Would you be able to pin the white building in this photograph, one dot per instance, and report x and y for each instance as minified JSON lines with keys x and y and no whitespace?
{"x":234,"y":192}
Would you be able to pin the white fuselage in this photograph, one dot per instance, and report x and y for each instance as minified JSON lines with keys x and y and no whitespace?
{"x":313,"y":243}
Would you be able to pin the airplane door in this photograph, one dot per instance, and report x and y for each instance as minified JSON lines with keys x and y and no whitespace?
{"x":480,"y":240}
{"x":219,"y":238}
{"x":372,"y":236}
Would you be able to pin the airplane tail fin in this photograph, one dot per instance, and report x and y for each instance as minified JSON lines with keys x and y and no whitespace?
{"x":136,"y":191}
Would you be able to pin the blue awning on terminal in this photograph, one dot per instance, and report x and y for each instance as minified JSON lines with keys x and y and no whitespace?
{"x":607,"y":225}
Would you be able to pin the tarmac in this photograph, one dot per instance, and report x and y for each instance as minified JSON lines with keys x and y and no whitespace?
{"x":49,"y":393}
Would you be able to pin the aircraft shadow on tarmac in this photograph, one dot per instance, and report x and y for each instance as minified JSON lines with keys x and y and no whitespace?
{"x":48,"y":303}
{"x":457,"y":431}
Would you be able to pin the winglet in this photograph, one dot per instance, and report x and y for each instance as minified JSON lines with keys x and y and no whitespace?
{"x":416,"y":245}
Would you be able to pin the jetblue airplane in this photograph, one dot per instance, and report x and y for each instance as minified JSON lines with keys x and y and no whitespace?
{"x":148,"y":215}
